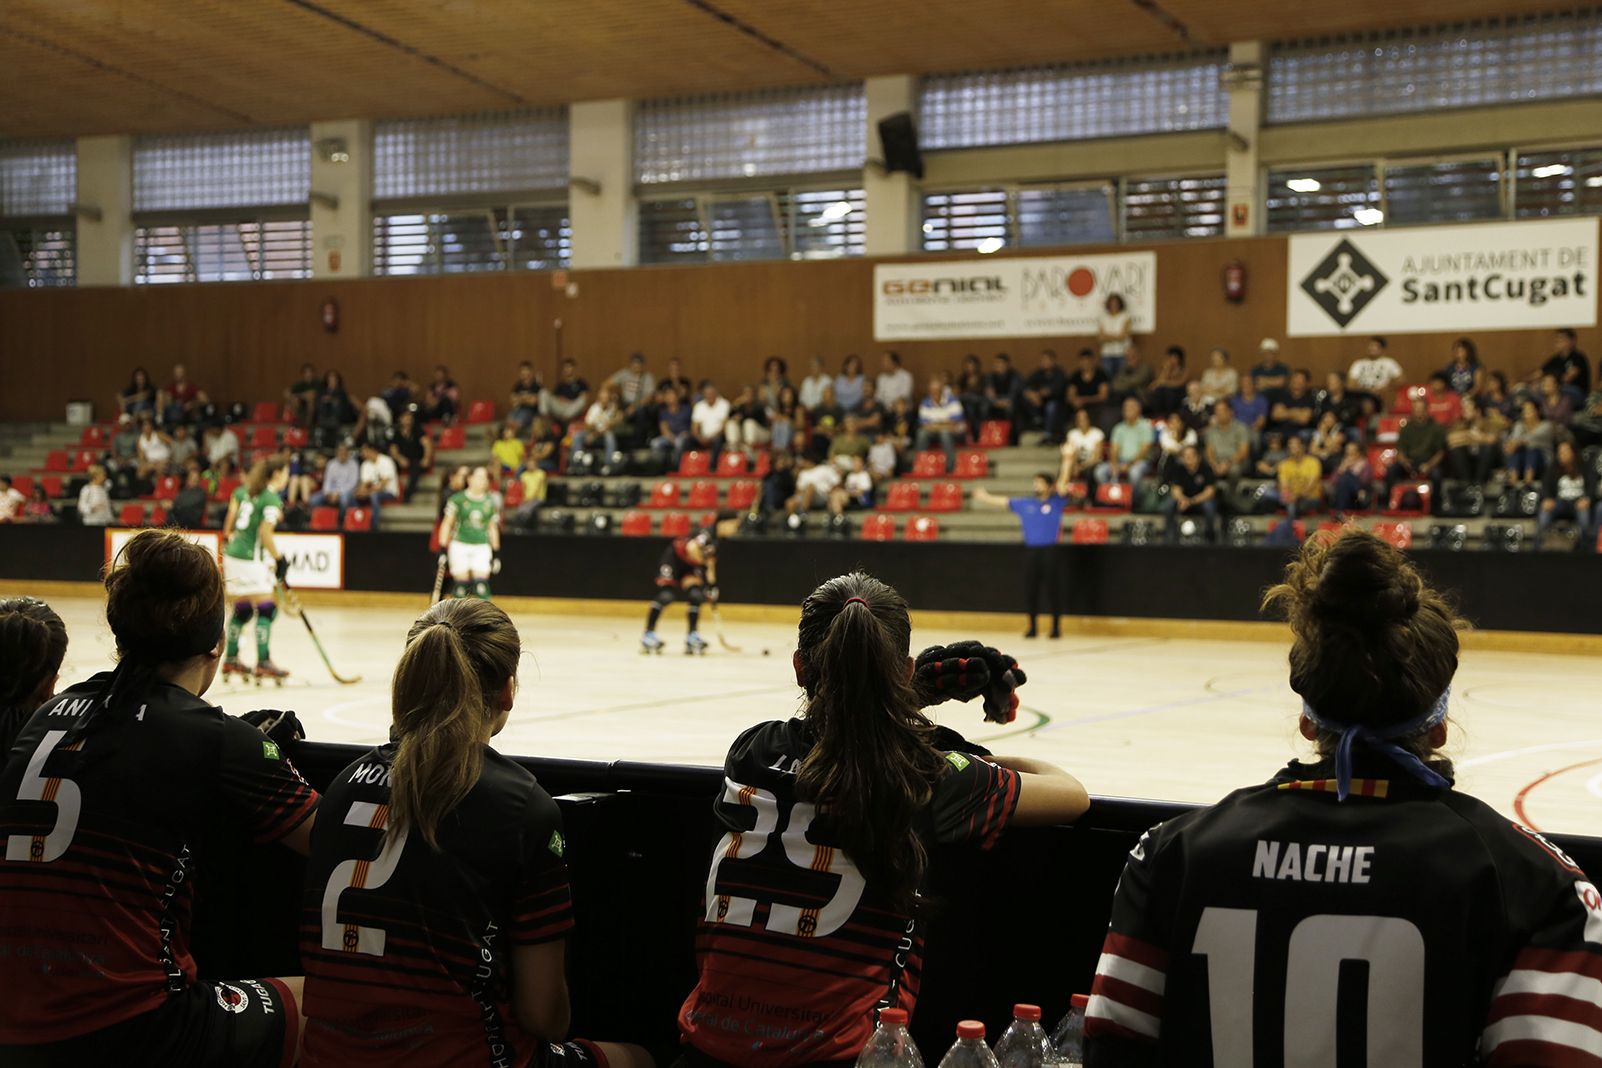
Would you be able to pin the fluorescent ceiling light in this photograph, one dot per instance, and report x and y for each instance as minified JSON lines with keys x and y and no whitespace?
{"x":838,"y":210}
{"x":928,"y":228}
{"x":991,"y":244}
{"x":1304,"y":185}
{"x":1369,"y":216}
{"x":1551,"y":170}
{"x":1594,"y":181}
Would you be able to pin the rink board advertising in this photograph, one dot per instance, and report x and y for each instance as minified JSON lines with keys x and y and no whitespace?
{"x":316,"y":561}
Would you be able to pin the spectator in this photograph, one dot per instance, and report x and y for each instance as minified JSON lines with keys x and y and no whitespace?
{"x":709,"y":419}
{"x":882,"y":458}
{"x":1463,"y":372}
{"x":1353,"y":479}
{"x":138,"y":397}
{"x":1567,"y":491}
{"x":971,"y":392}
{"x":940,"y":418}
{"x":855,"y":490}
{"x":1273,"y":452}
{"x":302,"y":481}
{"x":1494,"y":395}
{"x":814,"y":483}
{"x":748,"y":421}
{"x":155,"y":450}
{"x":443,"y":399}
{"x":1473,"y":442}
{"x":1586,"y":423}
{"x":1270,"y":374}
{"x":871,"y":411}
{"x":849,"y":443}
{"x":1347,"y":406}
{"x":779,"y":484}
{"x":1134,"y":378}
{"x":1444,"y":403}
{"x":94,"y":501}
{"x":401,"y":394}
{"x":1192,"y":490}
{"x":508,"y":452}
{"x":300,"y":396}
{"x":524,"y":402}
{"x":1529,"y":445}
{"x":1168,"y":388}
{"x":1130,"y":454}
{"x":1042,"y":399}
{"x":1113,"y":333}
{"x":848,"y":383}
{"x":1173,"y":437}
{"x":545,"y":440}
{"x":1227,"y":443}
{"x":569,"y":399}
{"x":1557,"y":404}
{"x":902,"y":424}
{"x":183,"y":446}
{"x":825,"y":423}
{"x":12,"y":501}
{"x":787,"y":420}
{"x":601,"y":422}
{"x":1089,"y":388}
{"x":1082,"y":452}
{"x":894,"y":379}
{"x":1328,"y":442}
{"x":189,"y":507}
{"x":221,"y":472}
{"x":1295,"y":412}
{"x":125,"y":442}
{"x":1002,"y":388}
{"x":774,"y":380}
{"x":334,"y":410}
{"x":179,"y":402}
{"x":1220,"y":380}
{"x":676,"y":378}
{"x":1251,"y":409}
{"x":341,"y":479}
{"x":411,"y":449}
{"x":379,"y":480}
{"x":813,"y":385}
{"x":221,"y":444}
{"x":1195,"y":411}
{"x":1420,"y":447}
{"x":633,"y":387}
{"x":1567,"y":364}
{"x":1300,"y":480}
{"x":1370,"y":376}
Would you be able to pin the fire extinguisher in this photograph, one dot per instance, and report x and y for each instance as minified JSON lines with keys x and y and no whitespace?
{"x":331,"y":315}
{"x":1234,"y":280}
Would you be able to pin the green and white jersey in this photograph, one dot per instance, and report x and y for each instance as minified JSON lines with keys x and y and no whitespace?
{"x":243,"y":540}
{"x":472,"y":518}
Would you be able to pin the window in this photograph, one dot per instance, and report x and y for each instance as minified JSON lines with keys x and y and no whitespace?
{"x":1168,"y":208}
{"x":1070,"y":103}
{"x":966,"y":219}
{"x":1567,"y":182}
{"x":1450,"y":191}
{"x":248,"y":169}
{"x":1073,"y":213}
{"x":1322,"y":198}
{"x":31,"y":257}
{"x":38,"y":232}
{"x":1065,"y":215}
{"x":751,"y":135}
{"x":499,"y":152}
{"x":522,"y":237}
{"x":783,"y":224}
{"x":223,"y":252}
{"x":1505,"y":61}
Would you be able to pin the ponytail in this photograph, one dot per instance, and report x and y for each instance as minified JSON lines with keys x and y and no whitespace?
{"x":458,"y":657}
{"x":871,"y":768}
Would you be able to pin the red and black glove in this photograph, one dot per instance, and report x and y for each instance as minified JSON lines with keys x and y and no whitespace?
{"x":966,"y":670}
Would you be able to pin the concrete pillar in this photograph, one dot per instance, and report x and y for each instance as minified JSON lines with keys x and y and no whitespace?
{"x":342,"y":198}
{"x":105,"y":185}
{"x":601,"y":207}
{"x":1242,"y":167}
{"x":891,"y":201}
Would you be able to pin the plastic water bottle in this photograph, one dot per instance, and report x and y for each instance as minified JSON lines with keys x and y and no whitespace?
{"x":1069,"y":1038}
{"x":970,"y":1050}
{"x":1025,"y":1044}
{"x":890,"y":1046}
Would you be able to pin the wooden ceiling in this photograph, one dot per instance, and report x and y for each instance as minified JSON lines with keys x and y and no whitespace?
{"x":78,"y":67}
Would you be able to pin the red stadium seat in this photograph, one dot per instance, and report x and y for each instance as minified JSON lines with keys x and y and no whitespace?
{"x":1390,"y":428}
{"x":664,"y":494}
{"x":929,"y":464}
{"x":695,"y":464}
{"x":295,"y":437}
{"x":636,"y":524}
{"x":263,"y":437}
{"x":131,"y":515}
{"x":972,"y":463}
{"x":1089,"y":532}
{"x":1398,"y":534}
{"x":264,"y":412}
{"x":54,"y":486}
{"x":452,"y":437}
{"x":23,"y":484}
{"x":1077,"y":494}
{"x":225,"y":488}
{"x":1404,"y":398}
{"x":703,"y":495}
{"x":743,"y":494}
{"x":358,"y":519}
{"x":764,"y":464}
{"x":879,"y":528}
{"x":56,"y":460}
{"x":167,"y":487}
{"x":94,"y":437}
{"x":945,"y":497}
{"x":1114,"y":497}
{"x":707,"y":520}
{"x":923,"y":528}
{"x":325,"y":517}
{"x":481,"y":411}
{"x":84,"y":458}
{"x":1399,"y":493}
{"x":732,"y":464}
{"x":158,"y":516}
{"x":512,"y":496}
{"x":675,"y":525}
{"x":1380,"y":460}
{"x":995,"y":434}
{"x":903,"y":497}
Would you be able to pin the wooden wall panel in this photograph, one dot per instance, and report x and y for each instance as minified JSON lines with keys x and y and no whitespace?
{"x":245,"y":341}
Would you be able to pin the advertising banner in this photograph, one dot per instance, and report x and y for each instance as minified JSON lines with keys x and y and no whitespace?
{"x":1044,"y":296}
{"x":1495,"y":276}
{"x":316,"y":561}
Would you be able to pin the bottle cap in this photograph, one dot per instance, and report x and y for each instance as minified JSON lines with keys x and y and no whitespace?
{"x":971,"y":1029}
{"x":1027,"y":1013}
{"x":1081,"y":1000}
{"x":892,"y":1017}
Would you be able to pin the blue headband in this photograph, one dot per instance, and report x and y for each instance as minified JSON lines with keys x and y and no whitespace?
{"x":1380,"y":740}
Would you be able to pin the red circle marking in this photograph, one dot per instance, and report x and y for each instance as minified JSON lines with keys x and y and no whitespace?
{"x":1081,"y":280}
{"x":1518,"y":800}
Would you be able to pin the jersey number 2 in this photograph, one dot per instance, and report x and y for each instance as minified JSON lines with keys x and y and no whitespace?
{"x":63,"y":793}
{"x":360,"y":875}
{"x":742,"y":845}
{"x":1393,"y":949}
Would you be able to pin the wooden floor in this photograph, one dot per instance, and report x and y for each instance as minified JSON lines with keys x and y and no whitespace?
{"x":1186,"y":718}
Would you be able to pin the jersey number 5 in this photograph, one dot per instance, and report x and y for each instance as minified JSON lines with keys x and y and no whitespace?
{"x":63,"y":793}
{"x":742,"y":845}
{"x":360,"y":875}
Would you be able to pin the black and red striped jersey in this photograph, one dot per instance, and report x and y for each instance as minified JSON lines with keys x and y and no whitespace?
{"x":677,"y":564}
{"x":407,"y":947}
{"x":796,"y":950}
{"x":105,"y":835}
{"x":1282,"y":928}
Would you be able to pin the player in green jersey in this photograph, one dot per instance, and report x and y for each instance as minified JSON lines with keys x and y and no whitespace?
{"x":471,"y":532}
{"x":253,"y":515}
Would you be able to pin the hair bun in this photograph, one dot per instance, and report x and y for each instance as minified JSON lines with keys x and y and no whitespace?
{"x":1359,"y":585}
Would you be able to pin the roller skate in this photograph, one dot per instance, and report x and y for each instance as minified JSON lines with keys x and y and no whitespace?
{"x":235,"y":666}
{"x":269,"y":670}
{"x":695,"y":645}
{"x":651,"y":643}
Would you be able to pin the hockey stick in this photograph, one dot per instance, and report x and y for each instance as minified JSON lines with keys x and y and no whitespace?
{"x":439,"y":580}
{"x":717,"y":627}
{"x":294,"y":607}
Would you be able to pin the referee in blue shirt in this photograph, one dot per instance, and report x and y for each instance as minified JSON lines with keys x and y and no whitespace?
{"x":1041,"y":518}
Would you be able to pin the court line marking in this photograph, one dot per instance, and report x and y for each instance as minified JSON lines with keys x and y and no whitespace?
{"x":1508,"y":754}
{"x":1519,"y":798}
{"x":1131,"y":713}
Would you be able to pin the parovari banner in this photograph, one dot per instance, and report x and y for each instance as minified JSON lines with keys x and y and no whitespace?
{"x":1496,"y":276}
{"x":1041,"y":296}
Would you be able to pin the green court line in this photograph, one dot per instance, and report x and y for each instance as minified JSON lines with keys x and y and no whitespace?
{"x":1041,"y":719}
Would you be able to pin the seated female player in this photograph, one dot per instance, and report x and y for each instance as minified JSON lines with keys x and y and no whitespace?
{"x":33,"y":642}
